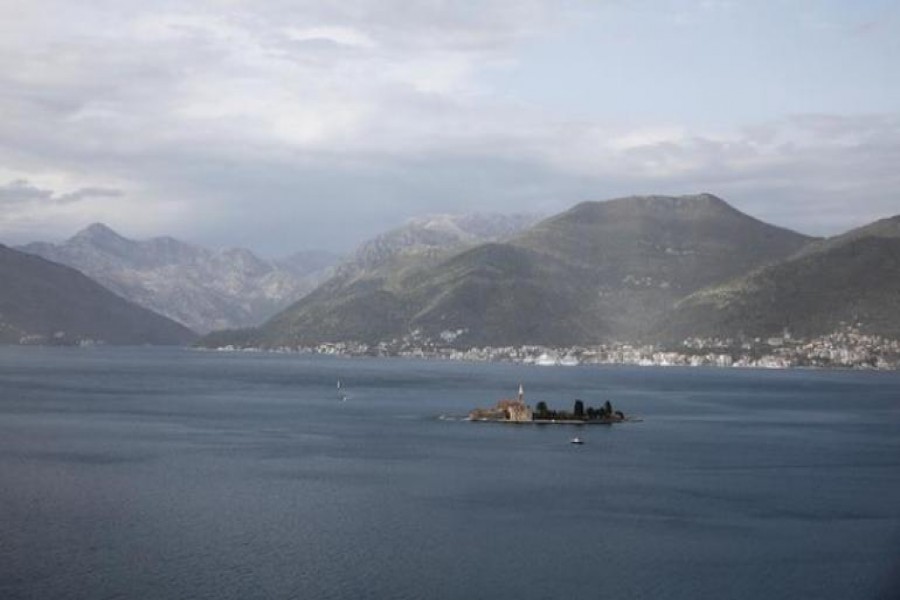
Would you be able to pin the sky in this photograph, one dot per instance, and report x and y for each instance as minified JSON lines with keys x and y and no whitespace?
{"x":283,"y":125}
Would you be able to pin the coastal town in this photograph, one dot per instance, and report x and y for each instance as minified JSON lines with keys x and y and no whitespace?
{"x":848,"y":348}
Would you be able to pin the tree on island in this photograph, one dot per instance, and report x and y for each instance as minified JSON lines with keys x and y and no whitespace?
{"x":541,"y":409}
{"x":578,"y":409}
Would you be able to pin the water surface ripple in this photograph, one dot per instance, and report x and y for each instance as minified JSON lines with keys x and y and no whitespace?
{"x":170,"y":473}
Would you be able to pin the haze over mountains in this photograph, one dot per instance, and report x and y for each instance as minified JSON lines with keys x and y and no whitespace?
{"x":637,"y":269}
{"x":48,"y":303}
{"x":200,"y":288}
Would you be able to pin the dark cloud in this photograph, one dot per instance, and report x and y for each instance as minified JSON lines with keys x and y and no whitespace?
{"x":21,"y":192}
{"x":90,"y":192}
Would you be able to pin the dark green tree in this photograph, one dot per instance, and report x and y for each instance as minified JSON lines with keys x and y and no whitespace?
{"x":607,"y":409}
{"x":578,"y":409}
{"x":541,"y":408}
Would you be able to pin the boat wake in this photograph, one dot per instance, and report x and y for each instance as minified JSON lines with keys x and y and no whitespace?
{"x":452,"y":418}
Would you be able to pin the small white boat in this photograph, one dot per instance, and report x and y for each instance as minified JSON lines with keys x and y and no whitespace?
{"x":576,"y":440}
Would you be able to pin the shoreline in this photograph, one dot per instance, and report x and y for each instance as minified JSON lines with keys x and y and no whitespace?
{"x":557,"y":421}
{"x":768,"y":363}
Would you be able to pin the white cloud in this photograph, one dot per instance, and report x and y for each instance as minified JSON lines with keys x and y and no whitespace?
{"x":244,"y":118}
{"x":342,"y":36}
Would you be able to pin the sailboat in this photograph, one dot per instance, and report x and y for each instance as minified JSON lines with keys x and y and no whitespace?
{"x":341,"y":395}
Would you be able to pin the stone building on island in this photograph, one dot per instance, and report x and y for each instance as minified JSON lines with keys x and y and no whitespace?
{"x":508,"y":409}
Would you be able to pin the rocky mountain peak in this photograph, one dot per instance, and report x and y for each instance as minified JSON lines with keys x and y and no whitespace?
{"x":439,"y":232}
{"x":246,"y":262}
{"x":97,"y":229}
{"x":98,"y":234}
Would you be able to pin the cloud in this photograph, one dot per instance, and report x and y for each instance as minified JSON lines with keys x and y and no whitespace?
{"x":286,"y":124}
{"x":340,"y":36}
{"x":30,"y":212}
{"x":21,"y":192}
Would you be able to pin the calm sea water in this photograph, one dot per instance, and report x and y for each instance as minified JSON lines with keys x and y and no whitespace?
{"x":169,"y":473}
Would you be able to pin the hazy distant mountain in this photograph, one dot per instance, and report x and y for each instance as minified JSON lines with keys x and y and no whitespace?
{"x":200,"y":288}
{"x":44,"y":302}
{"x":314,"y":265}
{"x":851,"y":279}
{"x":432,"y":237}
{"x":600,"y":271}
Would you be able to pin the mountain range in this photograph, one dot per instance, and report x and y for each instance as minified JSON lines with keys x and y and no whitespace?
{"x":642,"y":269}
{"x":48,"y":303}
{"x":653,"y":269}
{"x":202,"y":289}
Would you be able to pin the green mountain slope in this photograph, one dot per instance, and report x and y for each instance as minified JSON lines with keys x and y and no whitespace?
{"x":598,"y":272}
{"x":45,"y":302}
{"x":851,"y":279}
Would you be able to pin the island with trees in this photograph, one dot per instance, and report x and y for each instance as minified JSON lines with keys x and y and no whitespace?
{"x":515,"y":410}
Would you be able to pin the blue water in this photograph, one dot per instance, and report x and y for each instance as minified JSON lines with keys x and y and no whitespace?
{"x":169,"y":473}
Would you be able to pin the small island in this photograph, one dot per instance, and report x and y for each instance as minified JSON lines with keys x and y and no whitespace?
{"x":515,"y":410}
